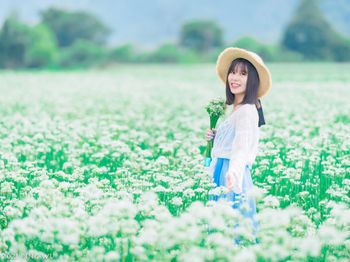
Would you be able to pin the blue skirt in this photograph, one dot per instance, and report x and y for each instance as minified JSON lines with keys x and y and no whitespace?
{"x":245,"y":199}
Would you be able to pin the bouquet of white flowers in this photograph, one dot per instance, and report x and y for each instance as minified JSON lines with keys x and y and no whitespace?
{"x":215,"y":109}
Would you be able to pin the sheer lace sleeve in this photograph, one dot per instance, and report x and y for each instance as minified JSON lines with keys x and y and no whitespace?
{"x":244,"y":133}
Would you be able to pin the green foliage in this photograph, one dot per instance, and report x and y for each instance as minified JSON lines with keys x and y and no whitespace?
{"x":15,"y":37}
{"x":71,"y":26}
{"x":189,"y":56}
{"x":341,"y":49}
{"x":312,"y":35}
{"x":270,"y":53}
{"x":167,"y":53}
{"x":265,"y":51}
{"x":124,"y":53}
{"x":82,"y":54}
{"x":81,"y":33}
{"x":202,"y":36}
{"x":43,"y":51}
{"x":76,"y":39}
{"x":249,"y":43}
{"x":170,"y":53}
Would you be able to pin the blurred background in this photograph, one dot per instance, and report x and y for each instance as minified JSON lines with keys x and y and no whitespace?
{"x":49,"y":34}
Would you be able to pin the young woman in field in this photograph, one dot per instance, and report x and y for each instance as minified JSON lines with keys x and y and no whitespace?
{"x":236,"y":139}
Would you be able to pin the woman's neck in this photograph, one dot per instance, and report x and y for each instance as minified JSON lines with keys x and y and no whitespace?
{"x":237,"y":101}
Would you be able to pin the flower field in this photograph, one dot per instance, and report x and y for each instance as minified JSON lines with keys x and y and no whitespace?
{"x":107,"y":165}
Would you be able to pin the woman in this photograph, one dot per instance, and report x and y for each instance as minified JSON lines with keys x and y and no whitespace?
{"x":236,"y":139}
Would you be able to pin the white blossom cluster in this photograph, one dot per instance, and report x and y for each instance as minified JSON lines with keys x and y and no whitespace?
{"x":104,"y":166}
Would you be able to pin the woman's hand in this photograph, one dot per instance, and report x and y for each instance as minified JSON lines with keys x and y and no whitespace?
{"x":229,"y":181}
{"x":210,"y":134}
{"x":233,"y":183}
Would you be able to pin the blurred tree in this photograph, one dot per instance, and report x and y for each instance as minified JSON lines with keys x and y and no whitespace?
{"x":15,"y":38}
{"x":124,"y":53}
{"x":249,"y":43}
{"x":267,"y":52}
{"x":170,"y":53}
{"x":82,"y":54}
{"x":201,"y":36}
{"x":43,"y":50}
{"x":71,"y":26}
{"x":310,"y":34}
{"x":341,"y":49}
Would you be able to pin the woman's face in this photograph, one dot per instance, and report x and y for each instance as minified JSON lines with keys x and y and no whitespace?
{"x":237,"y":79}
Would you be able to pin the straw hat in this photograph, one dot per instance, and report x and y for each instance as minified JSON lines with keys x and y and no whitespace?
{"x":229,"y":54}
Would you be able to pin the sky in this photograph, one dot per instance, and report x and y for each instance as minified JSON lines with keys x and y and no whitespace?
{"x":154,"y":22}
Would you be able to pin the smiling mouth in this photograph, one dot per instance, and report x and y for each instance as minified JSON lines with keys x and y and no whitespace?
{"x":233,"y":85}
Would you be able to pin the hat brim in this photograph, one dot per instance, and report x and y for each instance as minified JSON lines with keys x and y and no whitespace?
{"x":229,"y":54}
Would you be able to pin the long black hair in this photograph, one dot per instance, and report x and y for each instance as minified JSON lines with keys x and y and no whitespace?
{"x":251,"y":93}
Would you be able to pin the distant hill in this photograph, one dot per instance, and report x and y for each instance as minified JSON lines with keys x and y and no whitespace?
{"x":150,"y":23}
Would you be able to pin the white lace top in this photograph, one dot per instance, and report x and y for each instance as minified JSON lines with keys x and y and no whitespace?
{"x":237,"y":139}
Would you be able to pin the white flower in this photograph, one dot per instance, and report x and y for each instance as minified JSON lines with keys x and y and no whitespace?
{"x":245,"y":255}
{"x":7,"y":187}
{"x":271,"y":201}
{"x":197,"y":254}
{"x":330,"y":235}
{"x":12,"y":212}
{"x":90,"y":192}
{"x":189,"y":192}
{"x":310,"y":246}
{"x":162,"y":160}
{"x":68,"y":230}
{"x":217,"y":191}
{"x":177,"y":201}
{"x":112,"y":256}
{"x":115,"y":216}
{"x":149,"y":233}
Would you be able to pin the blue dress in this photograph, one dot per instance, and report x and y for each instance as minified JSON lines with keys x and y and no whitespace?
{"x":221,"y":166}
